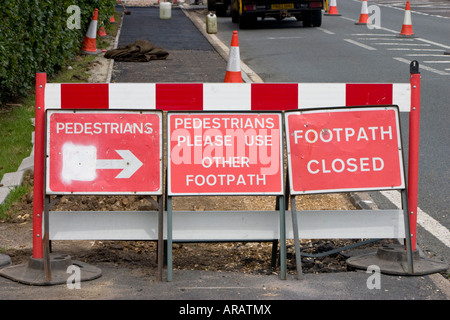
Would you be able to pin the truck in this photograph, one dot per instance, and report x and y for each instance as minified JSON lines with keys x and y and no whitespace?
{"x":246,"y":12}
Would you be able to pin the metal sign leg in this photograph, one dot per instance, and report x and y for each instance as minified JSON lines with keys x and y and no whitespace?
{"x":160,"y":238}
{"x":46,"y":241}
{"x":407,"y":232}
{"x":282,"y":238}
{"x":169,"y":238}
{"x":298,"y":260}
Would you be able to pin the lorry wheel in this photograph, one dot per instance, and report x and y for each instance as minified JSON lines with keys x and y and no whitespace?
{"x":307,"y":19}
{"x":247,"y":20}
{"x":221,"y":10}
{"x":211,"y":5}
{"x":316,"y":18}
{"x":234,"y":15}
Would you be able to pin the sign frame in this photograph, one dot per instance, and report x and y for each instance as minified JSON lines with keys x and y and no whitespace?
{"x":158,"y":113}
{"x":398,"y":137}
{"x":401,"y":188}
{"x":279,"y":195}
{"x":278,"y":114}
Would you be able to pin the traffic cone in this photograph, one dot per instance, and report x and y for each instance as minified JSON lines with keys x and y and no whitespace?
{"x":332,"y":10}
{"x":111,"y":19}
{"x":233,"y":73}
{"x":364,"y":16}
{"x":407,"y":30}
{"x":101,"y":32}
{"x":90,"y":40}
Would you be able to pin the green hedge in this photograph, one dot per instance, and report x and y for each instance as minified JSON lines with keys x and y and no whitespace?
{"x":34,"y":37}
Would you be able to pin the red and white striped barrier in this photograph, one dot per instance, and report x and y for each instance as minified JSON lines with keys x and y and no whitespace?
{"x":225,"y":96}
{"x":220,"y":96}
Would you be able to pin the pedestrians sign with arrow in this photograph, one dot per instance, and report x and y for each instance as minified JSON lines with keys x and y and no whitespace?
{"x":104,"y":152}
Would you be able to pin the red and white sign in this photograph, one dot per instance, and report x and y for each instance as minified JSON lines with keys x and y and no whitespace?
{"x":225,"y":153}
{"x":98,"y":152}
{"x":344,"y":149}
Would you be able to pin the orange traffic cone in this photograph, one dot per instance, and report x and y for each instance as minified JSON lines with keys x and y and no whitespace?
{"x":233,"y":73}
{"x":407,"y":30}
{"x":332,"y":10}
{"x":112,"y":20}
{"x":101,"y":32}
{"x":90,"y":40}
{"x":364,"y":16}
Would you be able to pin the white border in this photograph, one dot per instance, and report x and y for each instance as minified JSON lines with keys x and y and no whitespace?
{"x":49,"y":113}
{"x":222,"y":113}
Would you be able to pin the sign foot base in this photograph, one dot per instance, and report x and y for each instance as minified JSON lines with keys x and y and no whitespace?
{"x":392,"y":259}
{"x":33,"y":272}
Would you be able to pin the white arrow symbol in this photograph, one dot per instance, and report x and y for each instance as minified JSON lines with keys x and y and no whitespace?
{"x":129,"y":163}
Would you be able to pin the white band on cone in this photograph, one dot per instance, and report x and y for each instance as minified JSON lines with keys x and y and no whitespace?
{"x":234,"y":60}
{"x":92,"y":30}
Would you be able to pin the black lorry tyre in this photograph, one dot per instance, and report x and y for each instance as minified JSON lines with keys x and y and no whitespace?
{"x":221,"y":10}
{"x":234,"y":15}
{"x":211,"y":5}
{"x":316,"y":18}
{"x":307,"y":19}
{"x":247,"y":20}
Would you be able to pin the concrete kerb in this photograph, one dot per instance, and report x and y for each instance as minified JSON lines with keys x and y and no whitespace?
{"x":116,"y":42}
{"x":12,"y":180}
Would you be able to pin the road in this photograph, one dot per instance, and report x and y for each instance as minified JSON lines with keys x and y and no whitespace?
{"x":340,"y":51}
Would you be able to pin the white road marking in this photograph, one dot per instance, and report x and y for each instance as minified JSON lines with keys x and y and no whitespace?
{"x":442,"y":73}
{"x":444,"y":61}
{"x":424,"y":55}
{"x":423,"y":219}
{"x":283,"y":38}
{"x":413,"y":49}
{"x":325,"y":30}
{"x":359,"y":44}
{"x":403,"y":44}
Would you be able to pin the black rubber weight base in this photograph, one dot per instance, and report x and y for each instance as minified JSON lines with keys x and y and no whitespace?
{"x":392,"y":259}
{"x":33,"y":273}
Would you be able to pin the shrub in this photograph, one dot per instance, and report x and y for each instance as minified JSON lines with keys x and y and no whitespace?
{"x":34,"y":37}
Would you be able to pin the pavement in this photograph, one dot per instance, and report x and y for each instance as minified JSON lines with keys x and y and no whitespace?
{"x":195,"y":58}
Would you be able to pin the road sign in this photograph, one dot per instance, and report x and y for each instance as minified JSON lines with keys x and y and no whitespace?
{"x":344,"y":149}
{"x":225,"y":153}
{"x":104,"y":152}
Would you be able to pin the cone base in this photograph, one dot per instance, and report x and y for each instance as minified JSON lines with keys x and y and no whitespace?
{"x":406,"y":36}
{"x":407,"y":31}
{"x":98,"y":51}
{"x":332,"y":14}
{"x":363,"y":20}
{"x":233,"y":77}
